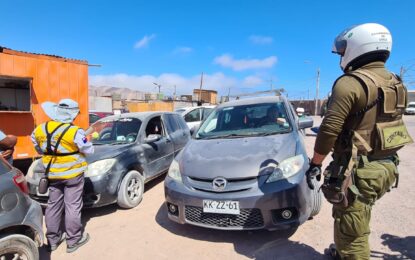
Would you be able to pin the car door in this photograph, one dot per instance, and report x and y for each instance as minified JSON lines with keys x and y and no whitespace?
{"x":160,"y":153}
{"x":184,"y":133}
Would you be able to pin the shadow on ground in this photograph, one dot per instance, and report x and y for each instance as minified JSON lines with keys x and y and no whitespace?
{"x":89,"y":213}
{"x":403,"y":246}
{"x":259,"y":244}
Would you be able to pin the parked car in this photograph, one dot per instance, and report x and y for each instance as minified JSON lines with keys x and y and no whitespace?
{"x":95,"y":116}
{"x":244,"y":169}
{"x":20,"y":217}
{"x":130,"y":150}
{"x":410,"y":109}
{"x":194,"y":115}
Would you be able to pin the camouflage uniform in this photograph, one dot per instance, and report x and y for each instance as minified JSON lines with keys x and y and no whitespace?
{"x":358,"y":105}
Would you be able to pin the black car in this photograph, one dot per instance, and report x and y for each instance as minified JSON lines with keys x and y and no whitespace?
{"x":130,"y":150}
{"x":20,"y":217}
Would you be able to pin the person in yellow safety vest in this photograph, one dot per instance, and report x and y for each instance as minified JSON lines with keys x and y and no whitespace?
{"x":63,"y":147}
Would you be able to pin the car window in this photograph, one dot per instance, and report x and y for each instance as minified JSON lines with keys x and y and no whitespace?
{"x":115,"y":131}
{"x":206,"y":112}
{"x":4,"y":167}
{"x":93,"y":118}
{"x":246,"y":120}
{"x":181,"y":122}
{"x":193,"y":116}
{"x":172,"y":125}
{"x":155,"y":127}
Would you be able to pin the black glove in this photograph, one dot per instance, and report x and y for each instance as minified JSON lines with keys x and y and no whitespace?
{"x":314,"y":171}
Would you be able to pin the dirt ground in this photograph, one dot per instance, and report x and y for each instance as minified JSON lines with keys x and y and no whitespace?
{"x":146,"y":233}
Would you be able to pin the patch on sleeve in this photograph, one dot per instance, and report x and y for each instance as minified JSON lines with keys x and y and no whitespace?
{"x":84,"y":140}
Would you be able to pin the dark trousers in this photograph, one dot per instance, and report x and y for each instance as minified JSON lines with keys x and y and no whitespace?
{"x":64,"y":196}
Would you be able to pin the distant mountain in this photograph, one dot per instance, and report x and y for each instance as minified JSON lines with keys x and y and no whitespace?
{"x":125,"y":93}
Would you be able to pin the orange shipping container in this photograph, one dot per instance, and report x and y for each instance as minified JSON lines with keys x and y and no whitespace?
{"x":26,"y":81}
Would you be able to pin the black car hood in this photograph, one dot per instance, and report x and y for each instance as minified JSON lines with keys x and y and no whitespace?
{"x":106,"y":151}
{"x":235,"y":158}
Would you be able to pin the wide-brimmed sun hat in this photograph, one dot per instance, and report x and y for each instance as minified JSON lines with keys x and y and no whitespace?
{"x":65,"y":111}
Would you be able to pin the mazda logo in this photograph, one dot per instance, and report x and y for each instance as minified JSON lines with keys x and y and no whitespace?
{"x":219,"y":183}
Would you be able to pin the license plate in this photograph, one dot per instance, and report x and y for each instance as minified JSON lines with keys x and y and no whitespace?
{"x":42,"y":195}
{"x":221,"y":207}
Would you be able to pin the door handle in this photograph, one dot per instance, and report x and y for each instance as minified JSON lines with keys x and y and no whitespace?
{"x":168,"y":140}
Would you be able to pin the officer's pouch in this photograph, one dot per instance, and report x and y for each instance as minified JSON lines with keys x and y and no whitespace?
{"x":338,"y":186}
{"x":43,"y":185}
{"x":44,"y":181}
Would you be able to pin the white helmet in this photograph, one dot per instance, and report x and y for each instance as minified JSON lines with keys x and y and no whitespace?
{"x":362,"y":39}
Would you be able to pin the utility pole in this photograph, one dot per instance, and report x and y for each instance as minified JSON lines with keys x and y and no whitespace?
{"x":317,"y":87}
{"x":174,"y":94}
{"x":158,"y":85}
{"x":200,"y":90}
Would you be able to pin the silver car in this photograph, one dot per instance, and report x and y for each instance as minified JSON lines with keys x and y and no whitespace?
{"x":20,"y":217}
{"x":244,"y":169}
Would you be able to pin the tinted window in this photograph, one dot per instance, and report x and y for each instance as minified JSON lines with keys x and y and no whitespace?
{"x":93,"y":118}
{"x":181,"y":122}
{"x":172,"y":125}
{"x":4,"y":167}
{"x":193,"y":116}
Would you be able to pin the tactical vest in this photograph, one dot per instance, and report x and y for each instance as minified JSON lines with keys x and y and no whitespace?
{"x":67,"y":162}
{"x":380,"y":131}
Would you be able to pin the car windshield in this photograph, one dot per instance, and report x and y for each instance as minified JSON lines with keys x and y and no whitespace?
{"x":245,"y":121}
{"x":114,"y":131}
{"x":411,"y":106}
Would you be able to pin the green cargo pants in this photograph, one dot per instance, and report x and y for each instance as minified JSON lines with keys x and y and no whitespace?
{"x":351,"y":225}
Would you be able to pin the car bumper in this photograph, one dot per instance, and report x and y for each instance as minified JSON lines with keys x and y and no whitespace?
{"x":34,"y":219}
{"x":259,"y":208}
{"x":97,"y":192}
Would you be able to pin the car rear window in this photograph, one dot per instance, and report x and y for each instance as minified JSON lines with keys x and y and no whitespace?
{"x":4,"y":167}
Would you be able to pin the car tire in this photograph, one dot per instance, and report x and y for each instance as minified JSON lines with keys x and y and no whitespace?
{"x":131,"y":190}
{"x":21,"y":245}
{"x":317,"y":198}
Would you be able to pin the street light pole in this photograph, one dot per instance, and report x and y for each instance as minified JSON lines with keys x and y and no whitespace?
{"x":158,"y":85}
{"x":317,"y":89}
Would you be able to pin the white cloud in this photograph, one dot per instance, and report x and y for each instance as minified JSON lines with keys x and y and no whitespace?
{"x":182,"y":50}
{"x":184,"y":85}
{"x":261,"y":40}
{"x":144,"y":41}
{"x":252,"y":81}
{"x":228,"y":61}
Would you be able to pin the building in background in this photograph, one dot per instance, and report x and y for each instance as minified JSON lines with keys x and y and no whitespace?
{"x":205,"y":96}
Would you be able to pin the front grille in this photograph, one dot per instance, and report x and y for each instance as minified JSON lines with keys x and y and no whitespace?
{"x":248,"y":218}
{"x":233,"y":185}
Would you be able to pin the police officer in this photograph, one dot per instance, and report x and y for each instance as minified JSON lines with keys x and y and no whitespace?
{"x":364,"y":125}
{"x":63,"y":146}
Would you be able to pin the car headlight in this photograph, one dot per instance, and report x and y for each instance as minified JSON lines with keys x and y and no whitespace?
{"x":287,"y":168}
{"x":99,"y":167}
{"x":174,"y":171}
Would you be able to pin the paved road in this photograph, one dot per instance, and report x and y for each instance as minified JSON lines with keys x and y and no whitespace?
{"x":146,"y":233}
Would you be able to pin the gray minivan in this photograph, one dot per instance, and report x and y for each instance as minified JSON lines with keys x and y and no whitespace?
{"x":244,"y":169}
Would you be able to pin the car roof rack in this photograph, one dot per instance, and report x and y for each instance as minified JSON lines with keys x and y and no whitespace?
{"x":276,"y":92}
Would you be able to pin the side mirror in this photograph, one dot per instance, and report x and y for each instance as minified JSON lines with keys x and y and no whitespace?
{"x":152,"y":138}
{"x":305,"y":122}
{"x":194,"y":129}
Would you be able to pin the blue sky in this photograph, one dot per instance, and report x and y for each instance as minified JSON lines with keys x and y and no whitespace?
{"x":239,"y":45}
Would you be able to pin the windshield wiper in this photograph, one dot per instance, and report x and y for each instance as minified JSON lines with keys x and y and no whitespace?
{"x":273,"y":133}
{"x":225,"y":136}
